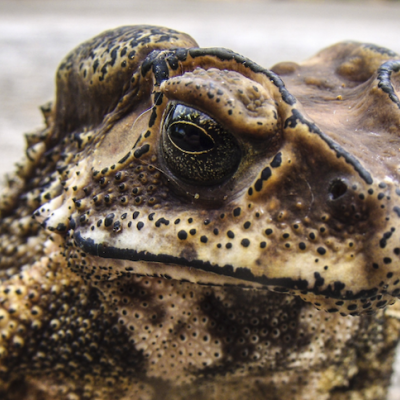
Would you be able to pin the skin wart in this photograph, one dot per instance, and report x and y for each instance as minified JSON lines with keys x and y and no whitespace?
{"x":191,"y":225}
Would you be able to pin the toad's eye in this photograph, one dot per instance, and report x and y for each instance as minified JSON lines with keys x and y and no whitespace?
{"x":196,"y":148}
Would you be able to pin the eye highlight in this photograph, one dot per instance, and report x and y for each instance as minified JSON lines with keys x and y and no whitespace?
{"x":189,"y":137}
{"x":196,"y":148}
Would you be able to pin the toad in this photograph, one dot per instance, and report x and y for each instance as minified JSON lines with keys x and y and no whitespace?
{"x":189,"y":224}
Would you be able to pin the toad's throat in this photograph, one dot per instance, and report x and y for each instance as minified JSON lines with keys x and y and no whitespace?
{"x":241,"y":274}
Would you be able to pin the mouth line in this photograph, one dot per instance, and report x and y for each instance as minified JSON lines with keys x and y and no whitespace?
{"x":102,"y":250}
{"x":282,"y":285}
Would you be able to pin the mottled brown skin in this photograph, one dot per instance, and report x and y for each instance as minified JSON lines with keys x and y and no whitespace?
{"x":191,"y":225}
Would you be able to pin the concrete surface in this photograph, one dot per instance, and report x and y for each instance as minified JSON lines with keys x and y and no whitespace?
{"x":35,"y":35}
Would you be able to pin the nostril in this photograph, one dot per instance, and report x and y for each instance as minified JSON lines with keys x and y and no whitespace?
{"x":337,"y":189}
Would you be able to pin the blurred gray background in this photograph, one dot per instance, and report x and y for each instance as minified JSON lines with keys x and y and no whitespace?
{"x":35,"y":35}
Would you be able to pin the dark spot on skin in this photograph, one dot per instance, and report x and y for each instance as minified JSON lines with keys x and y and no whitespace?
{"x":266,"y":174}
{"x":160,"y":221}
{"x":319,"y":281}
{"x":381,"y":304}
{"x":204,"y":239}
{"x":277,"y":161}
{"x":140,"y":225}
{"x":268,"y":231}
{"x":158,"y":98}
{"x":383,"y":241}
{"x":258,"y":185}
{"x":321,"y":250}
{"x":153,"y":117}
{"x":117,"y":226}
{"x":245,"y":242}
{"x":141,"y":150}
{"x":236,"y":212}
{"x":95,"y":65}
{"x":302,"y":246}
{"x":61,"y":227}
{"x":109,"y":220}
{"x":182,"y":235}
{"x":123,"y":159}
{"x":230,"y":234}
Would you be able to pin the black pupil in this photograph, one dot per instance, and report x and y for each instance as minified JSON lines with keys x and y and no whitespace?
{"x":189,"y":137}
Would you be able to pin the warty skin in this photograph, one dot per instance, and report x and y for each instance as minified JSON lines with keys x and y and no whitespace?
{"x":191,"y":225}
